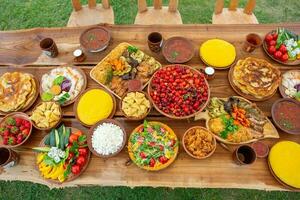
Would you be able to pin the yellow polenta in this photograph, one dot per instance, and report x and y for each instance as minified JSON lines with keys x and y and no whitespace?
{"x":94,"y":105}
{"x":284,"y":159}
{"x":217,"y":53}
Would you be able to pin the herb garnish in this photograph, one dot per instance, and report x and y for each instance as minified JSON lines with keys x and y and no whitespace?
{"x":174,"y":54}
{"x":230,"y":127}
{"x":132,"y":49}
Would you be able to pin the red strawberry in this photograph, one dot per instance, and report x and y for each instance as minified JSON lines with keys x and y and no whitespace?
{"x":22,"y":128}
{"x":9,"y":126}
{"x":12,"y":140}
{"x":27,"y":124}
{"x":6,"y":133}
{"x":20,"y":138}
{"x":19,"y":121}
{"x":25,"y":131}
{"x":14,"y":130}
{"x":5,"y":141}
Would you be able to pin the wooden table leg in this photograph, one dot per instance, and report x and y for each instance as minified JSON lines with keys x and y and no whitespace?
{"x":233,"y":5}
{"x":219,"y":6}
{"x":250,"y":7}
{"x":157,"y":4}
{"x":76,"y":5}
{"x":142,"y":5}
{"x":173,"y":4}
{"x":92,"y":3}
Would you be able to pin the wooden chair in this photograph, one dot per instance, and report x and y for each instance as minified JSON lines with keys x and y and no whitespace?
{"x":91,"y":14}
{"x":158,"y":14}
{"x":234,"y":15}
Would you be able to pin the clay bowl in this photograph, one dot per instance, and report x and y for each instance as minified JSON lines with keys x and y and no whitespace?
{"x":91,"y":132}
{"x":88,"y":35}
{"x":20,"y":115}
{"x":71,"y":176}
{"x":170,"y":42}
{"x":173,"y":116}
{"x":274,"y":111}
{"x":82,"y":89}
{"x":78,"y":99}
{"x":135,"y":118}
{"x":55,"y":125}
{"x":189,"y":153}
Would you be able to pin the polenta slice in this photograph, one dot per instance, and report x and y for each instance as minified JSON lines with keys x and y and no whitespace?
{"x":217,"y":53}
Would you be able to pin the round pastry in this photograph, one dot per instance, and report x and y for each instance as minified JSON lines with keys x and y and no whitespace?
{"x":217,"y":53}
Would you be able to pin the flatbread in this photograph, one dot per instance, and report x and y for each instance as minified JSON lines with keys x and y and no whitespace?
{"x":256,"y":77}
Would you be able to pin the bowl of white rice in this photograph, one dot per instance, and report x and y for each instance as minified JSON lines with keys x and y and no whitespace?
{"x":107,"y":138}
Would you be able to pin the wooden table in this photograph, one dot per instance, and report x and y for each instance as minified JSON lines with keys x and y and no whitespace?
{"x":19,"y":50}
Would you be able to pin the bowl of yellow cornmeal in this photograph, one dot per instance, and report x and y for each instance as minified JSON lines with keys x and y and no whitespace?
{"x":217,"y":53}
{"x":94,"y":105}
{"x":284,"y":162}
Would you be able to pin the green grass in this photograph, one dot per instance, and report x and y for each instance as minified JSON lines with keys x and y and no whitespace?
{"x":20,"y":14}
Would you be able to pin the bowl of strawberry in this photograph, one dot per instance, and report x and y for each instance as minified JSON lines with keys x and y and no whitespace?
{"x":283,"y":46}
{"x":15,"y":129}
{"x":178,"y":91}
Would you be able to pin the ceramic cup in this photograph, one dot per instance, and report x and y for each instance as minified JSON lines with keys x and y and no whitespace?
{"x":8,"y":157}
{"x":155,"y":41}
{"x":252,"y":42}
{"x":49,"y":47}
{"x":244,"y":155}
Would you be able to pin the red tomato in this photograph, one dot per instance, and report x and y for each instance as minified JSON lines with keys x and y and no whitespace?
{"x":73,"y":138}
{"x":80,"y":161}
{"x":151,"y":144}
{"x":82,"y":151}
{"x":272,"y":49}
{"x":268,"y":37}
{"x":284,"y":57}
{"x":275,"y":36}
{"x":71,"y":155}
{"x":278,"y":54}
{"x":143,"y":155}
{"x":152,"y":162}
{"x":272,"y":43}
{"x":78,"y":133}
{"x":163,"y":159}
{"x":75,"y":169}
{"x":283,"y":49}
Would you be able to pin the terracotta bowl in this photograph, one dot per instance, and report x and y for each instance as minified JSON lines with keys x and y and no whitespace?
{"x":192,"y":155}
{"x":135,"y":118}
{"x":16,"y":114}
{"x":78,"y":99}
{"x":55,"y":125}
{"x":173,"y":116}
{"x":103,"y":44}
{"x":91,"y":132}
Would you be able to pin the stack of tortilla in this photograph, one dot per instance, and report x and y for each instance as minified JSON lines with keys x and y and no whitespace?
{"x":256,"y":77}
{"x":17,"y":91}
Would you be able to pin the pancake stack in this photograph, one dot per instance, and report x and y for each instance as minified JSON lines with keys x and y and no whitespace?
{"x":17,"y":91}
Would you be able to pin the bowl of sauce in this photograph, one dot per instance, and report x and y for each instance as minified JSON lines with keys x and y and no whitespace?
{"x":95,"y":39}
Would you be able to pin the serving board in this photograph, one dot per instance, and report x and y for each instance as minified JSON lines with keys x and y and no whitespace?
{"x":282,"y":88}
{"x":268,"y":133}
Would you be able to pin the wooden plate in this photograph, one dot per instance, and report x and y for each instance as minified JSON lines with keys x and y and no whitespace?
{"x":20,"y":115}
{"x":282,"y":88}
{"x":82,"y":89}
{"x":71,"y":176}
{"x":91,"y":131}
{"x":289,"y":62}
{"x":182,"y":39}
{"x":172,"y":116}
{"x":78,"y":99}
{"x":31,"y":102}
{"x":206,"y":130}
{"x":55,"y":125}
{"x":273,"y":111}
{"x":164,"y":165}
{"x":272,"y":133}
{"x":247,"y":96}
{"x":135,"y":118}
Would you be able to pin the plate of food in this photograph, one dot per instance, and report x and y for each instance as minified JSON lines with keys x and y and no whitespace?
{"x":178,"y":91}
{"x":88,"y":113}
{"x":63,"y":85}
{"x":284,"y":164}
{"x":153,"y":146}
{"x":255,"y":79}
{"x":15,"y":129}
{"x":235,"y":120}
{"x":178,"y":50}
{"x":217,"y":53}
{"x":283,"y":46}
{"x":18,"y":91}
{"x":285,"y":114}
{"x":199,"y":143}
{"x":290,"y":85}
{"x":124,"y":63}
{"x":62,"y":155}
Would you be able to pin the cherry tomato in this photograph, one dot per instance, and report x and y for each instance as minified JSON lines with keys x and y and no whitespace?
{"x":268,"y":37}
{"x":272,"y":43}
{"x":75,"y":169}
{"x":283,"y":49}
{"x":73,"y":138}
{"x":78,"y":133}
{"x":284,"y":57}
{"x":143,"y":155}
{"x":152,"y":162}
{"x":272,"y":49}
{"x":80,"y":161}
{"x":275,"y":36}
{"x":82,"y":151}
{"x":278,"y":54}
{"x":163,"y":159}
{"x":71,"y":155}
